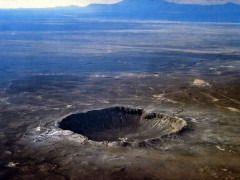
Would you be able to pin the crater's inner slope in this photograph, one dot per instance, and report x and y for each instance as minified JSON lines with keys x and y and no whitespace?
{"x":120,"y":123}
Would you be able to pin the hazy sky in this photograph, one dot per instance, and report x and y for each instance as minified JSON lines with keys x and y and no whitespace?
{"x":50,"y":3}
{"x":55,"y":3}
{"x":205,"y":1}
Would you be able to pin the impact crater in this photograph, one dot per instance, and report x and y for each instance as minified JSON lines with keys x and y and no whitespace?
{"x":122,"y":124}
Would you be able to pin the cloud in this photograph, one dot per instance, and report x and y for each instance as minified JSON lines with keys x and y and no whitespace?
{"x":204,"y":1}
{"x":10,"y":4}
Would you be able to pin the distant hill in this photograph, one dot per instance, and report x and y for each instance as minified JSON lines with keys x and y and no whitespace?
{"x":160,"y":9}
{"x":137,"y":9}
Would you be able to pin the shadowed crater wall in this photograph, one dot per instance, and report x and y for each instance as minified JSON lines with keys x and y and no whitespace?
{"x":121,"y":123}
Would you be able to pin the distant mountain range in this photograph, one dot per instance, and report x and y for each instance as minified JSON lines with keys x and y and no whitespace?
{"x":136,"y":9}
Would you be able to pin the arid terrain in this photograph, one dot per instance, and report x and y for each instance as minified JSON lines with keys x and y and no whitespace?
{"x":179,"y":82}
